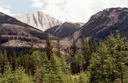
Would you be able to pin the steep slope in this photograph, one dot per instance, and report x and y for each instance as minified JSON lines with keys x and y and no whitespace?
{"x":64,"y":30}
{"x":39,"y":20}
{"x":16,"y":33}
{"x":101,"y":24}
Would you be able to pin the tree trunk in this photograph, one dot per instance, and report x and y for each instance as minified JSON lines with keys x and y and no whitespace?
{"x":121,"y":77}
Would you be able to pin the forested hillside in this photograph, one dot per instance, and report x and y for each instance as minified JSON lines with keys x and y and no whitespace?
{"x":97,"y":62}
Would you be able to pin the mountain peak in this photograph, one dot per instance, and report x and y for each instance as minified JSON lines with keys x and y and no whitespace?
{"x":101,"y":24}
{"x":110,"y":12}
{"x":39,"y":20}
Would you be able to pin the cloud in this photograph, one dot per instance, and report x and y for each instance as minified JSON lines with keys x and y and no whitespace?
{"x":5,"y":10}
{"x":37,"y":3}
{"x":79,"y":10}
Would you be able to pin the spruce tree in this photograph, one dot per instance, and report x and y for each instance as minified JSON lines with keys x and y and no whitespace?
{"x":48,"y":48}
{"x":14,"y":60}
{"x":37,"y":76}
{"x":1,"y":62}
{"x":86,"y":52}
{"x":101,"y":65}
{"x":75,"y":68}
{"x":74,"y":48}
{"x":58,"y":48}
{"x":31,"y":47}
{"x":6,"y":61}
{"x":118,"y":51}
{"x":55,"y":74}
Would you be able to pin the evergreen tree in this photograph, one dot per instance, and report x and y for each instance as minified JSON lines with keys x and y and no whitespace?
{"x":31,"y":47}
{"x":84,"y":78}
{"x":86,"y":51}
{"x":52,"y":71}
{"x":108,"y":64}
{"x":75,"y":68}
{"x":1,"y":62}
{"x":56,"y":70}
{"x":119,"y":53}
{"x":37,"y":59}
{"x":6,"y":61}
{"x":93,"y":46}
{"x":48,"y":48}
{"x":102,"y":69}
{"x":58,"y":48}
{"x":38,"y":76}
{"x":64,"y":65}
{"x":17,"y":76}
{"x":74,"y":48}
{"x":13,"y":60}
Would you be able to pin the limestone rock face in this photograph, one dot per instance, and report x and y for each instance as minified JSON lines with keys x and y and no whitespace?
{"x":39,"y":20}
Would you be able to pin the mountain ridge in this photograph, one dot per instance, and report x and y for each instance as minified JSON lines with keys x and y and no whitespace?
{"x":13,"y":31}
{"x":38,"y":19}
{"x":64,"y":30}
{"x":101,"y":24}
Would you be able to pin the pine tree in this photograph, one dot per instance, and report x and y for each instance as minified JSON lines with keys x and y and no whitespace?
{"x":31,"y":47}
{"x":54,"y":70}
{"x":6,"y":61}
{"x":101,"y":67}
{"x":14,"y":60}
{"x":117,"y":46}
{"x":86,"y":52}
{"x":1,"y":62}
{"x":93,"y":46}
{"x":58,"y":48}
{"x":17,"y":76}
{"x":84,"y":78}
{"x":38,"y":76}
{"x":109,"y":63}
{"x":74,"y":48}
{"x":75,"y":68}
{"x":65,"y":67}
{"x":48,"y":48}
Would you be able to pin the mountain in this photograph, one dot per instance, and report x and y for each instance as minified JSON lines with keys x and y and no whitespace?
{"x":39,"y":20}
{"x":15,"y":33}
{"x":64,"y":30}
{"x":101,"y":24}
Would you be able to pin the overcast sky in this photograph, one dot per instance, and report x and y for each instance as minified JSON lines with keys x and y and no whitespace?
{"x":64,"y":10}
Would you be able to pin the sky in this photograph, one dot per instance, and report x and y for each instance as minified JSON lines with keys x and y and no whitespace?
{"x":63,"y":10}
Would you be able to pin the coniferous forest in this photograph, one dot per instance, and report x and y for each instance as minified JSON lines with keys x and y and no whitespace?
{"x":104,"y":61}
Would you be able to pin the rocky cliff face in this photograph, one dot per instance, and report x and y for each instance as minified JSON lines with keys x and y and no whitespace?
{"x":64,"y":30}
{"x":39,"y":20}
{"x":101,"y":24}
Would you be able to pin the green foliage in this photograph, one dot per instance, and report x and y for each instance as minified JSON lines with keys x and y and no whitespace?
{"x":109,"y":62}
{"x":17,"y":76}
{"x":84,"y":78}
{"x":55,"y":73}
{"x":106,"y":62}
{"x":48,"y":48}
{"x":101,"y":65}
{"x":58,"y":48}
{"x":64,"y":65}
{"x":86,"y":52}
{"x":74,"y":48}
